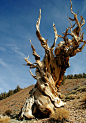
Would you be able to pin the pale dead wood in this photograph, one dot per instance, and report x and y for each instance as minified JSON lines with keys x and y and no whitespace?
{"x":50,"y":71}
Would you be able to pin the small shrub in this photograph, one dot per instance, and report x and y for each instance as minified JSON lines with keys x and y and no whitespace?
{"x":4,"y":119}
{"x":60,"y":114}
{"x":70,"y":97}
{"x":83,"y":88}
{"x":76,"y":87}
{"x":83,"y":99}
{"x":7,"y":112}
{"x":73,"y":92}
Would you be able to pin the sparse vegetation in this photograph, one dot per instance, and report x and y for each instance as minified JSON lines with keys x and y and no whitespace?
{"x":16,"y":101}
{"x":78,"y":88}
{"x":73,"y":91}
{"x":17,"y":89}
{"x":71,"y":94}
{"x":11,"y":92}
{"x":8,"y":112}
{"x":81,"y":89}
{"x":75,"y":76}
{"x":69,"y":97}
{"x":83,"y":100}
{"x":4,"y":119}
{"x":60,"y":114}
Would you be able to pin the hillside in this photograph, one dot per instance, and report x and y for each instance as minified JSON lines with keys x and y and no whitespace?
{"x":73,"y":91}
{"x":15,"y":102}
{"x":72,"y":84}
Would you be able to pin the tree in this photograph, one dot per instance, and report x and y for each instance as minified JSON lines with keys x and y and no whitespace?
{"x":70,"y":76}
{"x":84,"y":75}
{"x":80,"y":76}
{"x":50,"y":71}
{"x":75,"y":76}
{"x":9,"y":93}
{"x":17,"y":89}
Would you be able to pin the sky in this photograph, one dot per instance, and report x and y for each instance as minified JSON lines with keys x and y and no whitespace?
{"x":18,"y":25}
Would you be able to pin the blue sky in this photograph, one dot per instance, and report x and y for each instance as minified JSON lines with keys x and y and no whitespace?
{"x":17,"y":25}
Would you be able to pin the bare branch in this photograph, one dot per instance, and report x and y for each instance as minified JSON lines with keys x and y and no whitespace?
{"x":82,"y":19}
{"x":29,"y":63}
{"x":33,"y":75}
{"x":71,"y":8}
{"x":37,"y":57}
{"x":38,"y":22}
{"x":56,"y":36}
{"x":77,"y":50}
{"x":41,"y":39}
{"x":75,"y":15}
{"x":78,"y":28}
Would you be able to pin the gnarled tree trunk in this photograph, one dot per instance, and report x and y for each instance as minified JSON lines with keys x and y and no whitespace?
{"x":50,"y":71}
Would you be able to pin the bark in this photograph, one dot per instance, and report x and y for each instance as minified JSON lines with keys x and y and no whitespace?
{"x":50,"y":71}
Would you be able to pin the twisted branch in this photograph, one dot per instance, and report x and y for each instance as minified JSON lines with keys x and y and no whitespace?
{"x":41,"y":39}
{"x":37,"y":57}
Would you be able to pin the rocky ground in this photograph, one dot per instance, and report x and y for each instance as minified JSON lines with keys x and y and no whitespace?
{"x":76,"y":108}
{"x":73,"y":93}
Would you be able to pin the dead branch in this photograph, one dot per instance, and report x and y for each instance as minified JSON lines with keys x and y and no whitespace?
{"x":41,"y":39}
{"x":37,"y":57}
{"x":33,"y":75}
{"x":50,"y":71}
{"x":29,"y":63}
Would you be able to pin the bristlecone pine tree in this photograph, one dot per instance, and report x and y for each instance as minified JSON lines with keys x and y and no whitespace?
{"x":50,"y":71}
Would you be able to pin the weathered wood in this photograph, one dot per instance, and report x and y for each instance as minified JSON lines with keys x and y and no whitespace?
{"x":50,"y":71}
